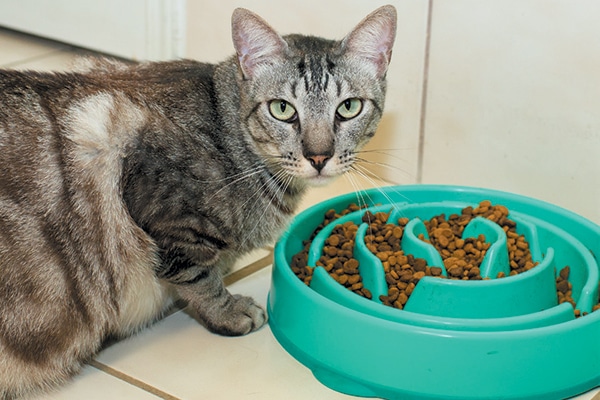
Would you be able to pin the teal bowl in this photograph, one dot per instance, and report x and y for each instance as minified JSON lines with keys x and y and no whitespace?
{"x":499,"y":338}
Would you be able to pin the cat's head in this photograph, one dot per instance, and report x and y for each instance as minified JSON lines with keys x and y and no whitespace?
{"x":310,"y":103}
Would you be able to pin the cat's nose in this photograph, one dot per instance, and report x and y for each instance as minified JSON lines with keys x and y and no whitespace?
{"x":318,"y":162}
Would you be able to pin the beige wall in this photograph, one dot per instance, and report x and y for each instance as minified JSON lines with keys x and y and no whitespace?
{"x":513,"y":88}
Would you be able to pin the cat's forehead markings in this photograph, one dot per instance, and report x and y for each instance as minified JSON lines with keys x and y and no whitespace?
{"x":316,"y":72}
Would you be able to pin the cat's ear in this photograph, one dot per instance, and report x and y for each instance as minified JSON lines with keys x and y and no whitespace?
{"x":373,"y":39}
{"x":255,"y":42}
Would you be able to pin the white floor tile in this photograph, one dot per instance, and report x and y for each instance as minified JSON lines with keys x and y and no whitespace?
{"x":17,"y":48}
{"x":93,"y":384}
{"x":61,"y":60}
{"x":591,"y":395}
{"x":180,"y":357}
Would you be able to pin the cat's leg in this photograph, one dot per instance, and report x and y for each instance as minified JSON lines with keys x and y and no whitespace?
{"x":193,"y":241}
{"x":201,"y":285}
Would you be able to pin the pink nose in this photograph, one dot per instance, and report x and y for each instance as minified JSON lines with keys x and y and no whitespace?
{"x":318,"y":162}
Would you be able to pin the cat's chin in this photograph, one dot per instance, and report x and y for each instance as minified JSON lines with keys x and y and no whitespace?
{"x":320,"y":180}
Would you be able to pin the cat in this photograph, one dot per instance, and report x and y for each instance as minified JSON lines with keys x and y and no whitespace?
{"x":126,"y":186}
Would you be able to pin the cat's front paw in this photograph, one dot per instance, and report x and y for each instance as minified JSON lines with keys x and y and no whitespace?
{"x":240,"y":316}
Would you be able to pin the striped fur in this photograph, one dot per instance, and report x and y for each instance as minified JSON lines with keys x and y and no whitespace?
{"x":126,"y":186}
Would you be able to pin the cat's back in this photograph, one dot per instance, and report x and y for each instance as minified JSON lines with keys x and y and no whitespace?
{"x":101,"y":106}
{"x":24,"y":94}
{"x":160,"y":83}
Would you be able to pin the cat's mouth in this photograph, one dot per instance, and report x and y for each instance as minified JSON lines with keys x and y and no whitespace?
{"x":314,"y":170}
{"x":320,"y":175}
{"x":320,"y":180}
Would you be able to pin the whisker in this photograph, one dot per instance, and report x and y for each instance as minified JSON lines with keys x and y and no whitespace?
{"x":286,"y":180}
{"x":369,"y":177}
{"x":384,"y":165}
{"x":255,"y":197}
{"x":397,"y":190}
{"x":357,"y":191}
{"x":368,"y":173}
{"x":240,"y":177}
{"x":253,"y":169}
{"x":259,"y":190}
{"x":360,"y":196}
{"x":386,"y":152}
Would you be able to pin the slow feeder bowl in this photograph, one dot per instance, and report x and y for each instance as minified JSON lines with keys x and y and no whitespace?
{"x":498,"y":338}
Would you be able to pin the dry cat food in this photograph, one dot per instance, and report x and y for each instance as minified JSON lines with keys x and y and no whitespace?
{"x":337,"y":258}
{"x":564,"y":291}
{"x":300,"y":260}
{"x":402,"y":271}
{"x":462,"y":257}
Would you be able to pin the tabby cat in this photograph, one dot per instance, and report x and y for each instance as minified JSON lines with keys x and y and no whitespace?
{"x":126,"y":186}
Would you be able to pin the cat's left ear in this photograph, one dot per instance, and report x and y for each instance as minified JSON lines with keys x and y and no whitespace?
{"x":255,"y":42}
{"x":373,"y":39}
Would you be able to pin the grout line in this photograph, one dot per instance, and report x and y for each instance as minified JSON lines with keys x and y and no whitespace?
{"x":249,"y":269}
{"x":37,"y":57}
{"x":59,"y":46}
{"x":132,"y":381}
{"x":421,"y":151}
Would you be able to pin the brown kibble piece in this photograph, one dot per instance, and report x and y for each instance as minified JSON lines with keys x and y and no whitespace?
{"x":420,"y":264}
{"x":443,"y":241}
{"x":402,"y":298}
{"x":563,"y":286}
{"x":333,"y":240}
{"x":418,"y":275}
{"x":397,"y":232}
{"x":351,"y":265}
{"x":383,"y":256}
{"x":456,"y":271}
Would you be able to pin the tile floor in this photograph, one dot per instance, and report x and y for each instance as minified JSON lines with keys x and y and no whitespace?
{"x":177,"y":358}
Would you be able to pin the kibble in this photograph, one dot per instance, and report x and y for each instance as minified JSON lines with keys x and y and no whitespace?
{"x":462,"y":257}
{"x":337,"y":257}
{"x":564,"y":289}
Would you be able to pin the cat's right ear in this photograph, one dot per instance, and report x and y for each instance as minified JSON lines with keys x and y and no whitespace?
{"x":255,"y":42}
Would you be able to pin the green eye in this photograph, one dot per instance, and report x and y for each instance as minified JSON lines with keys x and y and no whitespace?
{"x":282,"y":110}
{"x":349,"y":109}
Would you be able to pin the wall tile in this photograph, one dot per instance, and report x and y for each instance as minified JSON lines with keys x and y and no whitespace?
{"x":513,"y":99}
